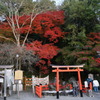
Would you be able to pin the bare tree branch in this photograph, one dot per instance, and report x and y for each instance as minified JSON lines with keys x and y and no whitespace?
{"x":7,"y":39}
{"x":29,"y":29}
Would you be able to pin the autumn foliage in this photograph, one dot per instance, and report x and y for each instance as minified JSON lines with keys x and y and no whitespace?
{"x":23,"y":23}
{"x":45,"y":52}
{"x":95,"y":39}
{"x":46,"y":25}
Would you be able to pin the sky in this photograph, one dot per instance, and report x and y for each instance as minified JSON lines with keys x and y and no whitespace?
{"x":58,"y":2}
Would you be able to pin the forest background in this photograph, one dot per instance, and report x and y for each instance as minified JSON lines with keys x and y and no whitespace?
{"x":35,"y":34}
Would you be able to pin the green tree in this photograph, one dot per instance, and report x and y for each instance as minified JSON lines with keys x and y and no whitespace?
{"x":46,"y":5}
{"x":82,"y":14}
{"x":23,"y":6}
{"x":81,"y":18}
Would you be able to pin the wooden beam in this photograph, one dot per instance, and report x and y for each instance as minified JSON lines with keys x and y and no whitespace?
{"x":2,"y":72}
{"x":70,"y":70}
{"x":65,"y":66}
{"x":6,"y":66}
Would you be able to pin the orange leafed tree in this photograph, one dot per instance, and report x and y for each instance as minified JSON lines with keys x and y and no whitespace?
{"x":46,"y":25}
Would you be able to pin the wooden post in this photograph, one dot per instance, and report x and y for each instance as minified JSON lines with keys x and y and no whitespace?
{"x":70,"y":86}
{"x":57,"y":83}
{"x":80,"y":83}
{"x":90,"y":85}
{"x":18,"y":77}
{"x":25,"y":83}
{"x":5,"y":85}
{"x":40,"y":91}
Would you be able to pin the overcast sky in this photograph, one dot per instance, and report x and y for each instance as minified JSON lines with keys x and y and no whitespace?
{"x":58,"y":2}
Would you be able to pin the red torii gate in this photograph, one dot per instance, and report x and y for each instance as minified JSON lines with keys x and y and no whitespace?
{"x":67,"y":68}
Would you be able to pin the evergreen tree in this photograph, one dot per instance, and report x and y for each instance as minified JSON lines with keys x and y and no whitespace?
{"x":81,"y":18}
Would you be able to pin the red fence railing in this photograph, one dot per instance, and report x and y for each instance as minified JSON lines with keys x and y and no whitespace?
{"x":38,"y":90}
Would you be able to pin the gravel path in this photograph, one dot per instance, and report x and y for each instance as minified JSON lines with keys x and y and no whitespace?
{"x":29,"y":96}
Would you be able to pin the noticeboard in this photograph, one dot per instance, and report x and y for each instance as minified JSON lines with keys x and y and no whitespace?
{"x":18,"y":75}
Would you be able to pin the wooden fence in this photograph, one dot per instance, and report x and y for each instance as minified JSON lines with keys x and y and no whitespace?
{"x":27,"y":82}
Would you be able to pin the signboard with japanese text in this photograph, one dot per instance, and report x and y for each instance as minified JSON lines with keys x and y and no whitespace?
{"x":18,"y":75}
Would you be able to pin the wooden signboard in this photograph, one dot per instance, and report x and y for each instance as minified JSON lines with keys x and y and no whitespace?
{"x":19,"y":75}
